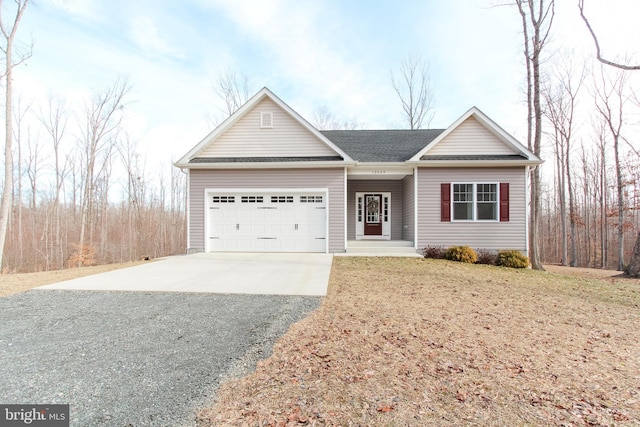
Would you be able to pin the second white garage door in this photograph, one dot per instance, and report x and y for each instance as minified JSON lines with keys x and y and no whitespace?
{"x":277,"y":221}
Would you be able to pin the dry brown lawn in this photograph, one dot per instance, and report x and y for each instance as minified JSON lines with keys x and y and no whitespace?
{"x":19,"y":282}
{"x":413,"y":342}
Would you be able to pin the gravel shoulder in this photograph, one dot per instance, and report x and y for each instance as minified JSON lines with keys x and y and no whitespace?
{"x":134,"y":359}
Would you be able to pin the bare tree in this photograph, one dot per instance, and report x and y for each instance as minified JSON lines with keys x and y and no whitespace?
{"x":626,"y":67}
{"x":19,"y":115}
{"x":323,"y":119}
{"x":610,"y":102}
{"x":233,"y":88}
{"x":560,"y":108}
{"x":9,"y":32}
{"x":103,"y":120}
{"x":55,"y":123}
{"x":413,"y":87}
{"x":537,"y":18}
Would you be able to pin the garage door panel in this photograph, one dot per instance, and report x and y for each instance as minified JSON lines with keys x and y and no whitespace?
{"x":292,"y":222}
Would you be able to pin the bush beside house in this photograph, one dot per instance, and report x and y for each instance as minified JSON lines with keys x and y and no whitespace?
{"x":506,"y":258}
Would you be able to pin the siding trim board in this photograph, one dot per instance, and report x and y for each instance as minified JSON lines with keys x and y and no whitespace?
{"x":415,"y":208}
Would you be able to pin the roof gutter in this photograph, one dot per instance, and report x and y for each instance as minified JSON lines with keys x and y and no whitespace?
{"x":473,"y":163}
{"x":265,"y":165}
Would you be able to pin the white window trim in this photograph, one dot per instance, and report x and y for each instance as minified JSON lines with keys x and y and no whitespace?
{"x":475,"y":202}
{"x":266,"y":120}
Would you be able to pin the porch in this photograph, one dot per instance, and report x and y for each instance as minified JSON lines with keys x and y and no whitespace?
{"x":381,"y":210}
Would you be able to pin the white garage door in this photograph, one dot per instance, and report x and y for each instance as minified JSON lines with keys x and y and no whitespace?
{"x":267,"y":222}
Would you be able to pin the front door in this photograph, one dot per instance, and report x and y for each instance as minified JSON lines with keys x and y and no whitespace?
{"x":373,"y":215}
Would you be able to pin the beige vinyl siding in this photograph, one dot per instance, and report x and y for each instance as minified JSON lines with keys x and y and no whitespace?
{"x":333,"y":179}
{"x":469,"y":138}
{"x":375,"y":186}
{"x":287,"y":137}
{"x":408,"y":208}
{"x":478,"y":234}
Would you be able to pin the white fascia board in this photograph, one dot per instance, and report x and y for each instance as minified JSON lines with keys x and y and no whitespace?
{"x":222,"y":127}
{"x":473,"y":163}
{"x":265,"y":165}
{"x":489,"y":124}
{"x":307,"y":125}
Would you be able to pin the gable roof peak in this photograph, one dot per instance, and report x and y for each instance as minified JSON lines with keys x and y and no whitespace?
{"x":241,"y":112}
{"x":489,"y":125}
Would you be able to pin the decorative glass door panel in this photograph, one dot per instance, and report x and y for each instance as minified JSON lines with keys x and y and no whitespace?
{"x":373,"y":211}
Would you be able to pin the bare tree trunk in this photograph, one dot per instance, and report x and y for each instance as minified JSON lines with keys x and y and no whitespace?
{"x":562,"y":202}
{"x":9,"y":34}
{"x":610,"y":102}
{"x":633,"y":269}
{"x":537,"y":18}
{"x":55,"y":124}
{"x":604,"y":231}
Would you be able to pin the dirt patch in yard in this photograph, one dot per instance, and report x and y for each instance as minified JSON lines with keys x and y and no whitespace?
{"x":402,"y":341}
{"x":19,"y":282}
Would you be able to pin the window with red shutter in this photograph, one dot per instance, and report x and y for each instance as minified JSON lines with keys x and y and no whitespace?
{"x":504,"y":201}
{"x":445,"y":202}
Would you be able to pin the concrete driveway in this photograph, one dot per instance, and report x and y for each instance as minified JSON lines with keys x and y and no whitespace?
{"x":221,"y":273}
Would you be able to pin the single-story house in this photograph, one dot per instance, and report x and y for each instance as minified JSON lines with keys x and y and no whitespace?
{"x":266,"y":180}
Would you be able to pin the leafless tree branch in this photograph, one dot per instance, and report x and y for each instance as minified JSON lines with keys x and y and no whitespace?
{"x":598,"y":51}
{"x":414,"y":90}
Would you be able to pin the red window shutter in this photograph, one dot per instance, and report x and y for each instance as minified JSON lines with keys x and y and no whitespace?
{"x":504,"y":201}
{"x":445,"y":202}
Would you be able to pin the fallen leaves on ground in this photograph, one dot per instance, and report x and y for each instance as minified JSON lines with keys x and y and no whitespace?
{"x":429,"y":342}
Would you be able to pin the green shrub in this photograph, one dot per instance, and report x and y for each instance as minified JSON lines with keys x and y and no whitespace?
{"x":461,"y":254}
{"x":487,"y":257}
{"x":435,"y":252}
{"x":512,"y":259}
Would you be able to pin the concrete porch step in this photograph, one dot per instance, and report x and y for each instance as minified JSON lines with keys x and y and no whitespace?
{"x":381,"y":248}
{"x":379,"y":244}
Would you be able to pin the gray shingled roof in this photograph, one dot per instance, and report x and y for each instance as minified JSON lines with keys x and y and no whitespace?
{"x":382,"y":145}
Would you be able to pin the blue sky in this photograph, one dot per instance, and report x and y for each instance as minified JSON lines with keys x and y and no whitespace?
{"x":332,"y":53}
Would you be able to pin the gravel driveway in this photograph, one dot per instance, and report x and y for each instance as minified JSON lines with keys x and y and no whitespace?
{"x":133,"y":358}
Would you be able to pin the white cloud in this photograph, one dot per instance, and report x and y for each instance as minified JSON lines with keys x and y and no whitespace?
{"x":145,"y":33}
{"x":82,"y":8}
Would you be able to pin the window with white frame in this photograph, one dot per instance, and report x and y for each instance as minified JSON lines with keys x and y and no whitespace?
{"x":475,"y":202}
{"x":266,"y":120}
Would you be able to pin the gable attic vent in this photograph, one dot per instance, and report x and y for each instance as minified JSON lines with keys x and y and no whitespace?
{"x":266,"y":120}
